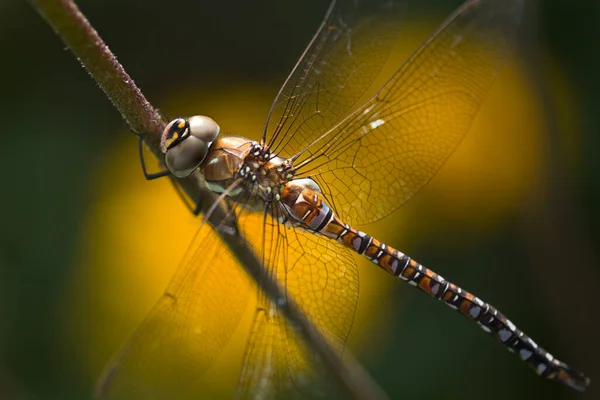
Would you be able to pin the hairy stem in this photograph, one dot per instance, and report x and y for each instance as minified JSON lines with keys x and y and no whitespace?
{"x":81,"y":38}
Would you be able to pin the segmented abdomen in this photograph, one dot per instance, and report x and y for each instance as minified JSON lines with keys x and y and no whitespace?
{"x":313,"y":214}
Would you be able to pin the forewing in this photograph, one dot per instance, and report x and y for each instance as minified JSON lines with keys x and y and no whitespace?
{"x":377,"y":158}
{"x":321,"y":276}
{"x":187,"y":328}
{"x":339,"y":65}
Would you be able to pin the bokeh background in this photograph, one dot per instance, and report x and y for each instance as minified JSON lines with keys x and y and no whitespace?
{"x":86,"y":245}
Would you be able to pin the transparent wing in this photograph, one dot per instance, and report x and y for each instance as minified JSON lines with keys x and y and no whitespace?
{"x":378,"y":157}
{"x":322,"y":277}
{"x":277,"y":364}
{"x":185,"y":331}
{"x":338,"y":66}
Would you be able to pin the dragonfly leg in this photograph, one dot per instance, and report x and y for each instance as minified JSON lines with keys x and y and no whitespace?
{"x":147,"y":175}
{"x":198,"y":207}
{"x":162,"y":114}
{"x":195,"y":207}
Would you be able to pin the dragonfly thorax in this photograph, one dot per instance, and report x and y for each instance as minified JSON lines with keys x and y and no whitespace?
{"x":244,"y":168}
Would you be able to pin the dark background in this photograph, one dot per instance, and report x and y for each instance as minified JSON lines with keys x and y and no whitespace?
{"x":540,"y":265}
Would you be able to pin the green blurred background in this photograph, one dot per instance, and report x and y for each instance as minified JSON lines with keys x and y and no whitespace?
{"x":535,"y":259}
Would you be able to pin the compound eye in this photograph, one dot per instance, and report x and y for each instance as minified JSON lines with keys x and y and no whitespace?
{"x":204,"y":128}
{"x":184,"y":158}
{"x":174,"y":133}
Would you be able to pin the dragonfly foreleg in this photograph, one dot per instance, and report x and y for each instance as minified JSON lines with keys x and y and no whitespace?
{"x":148,"y":176}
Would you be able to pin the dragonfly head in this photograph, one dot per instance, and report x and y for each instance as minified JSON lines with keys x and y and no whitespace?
{"x":185,"y":143}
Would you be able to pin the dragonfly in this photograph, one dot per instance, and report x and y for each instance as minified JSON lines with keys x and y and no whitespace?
{"x":326,"y":163}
